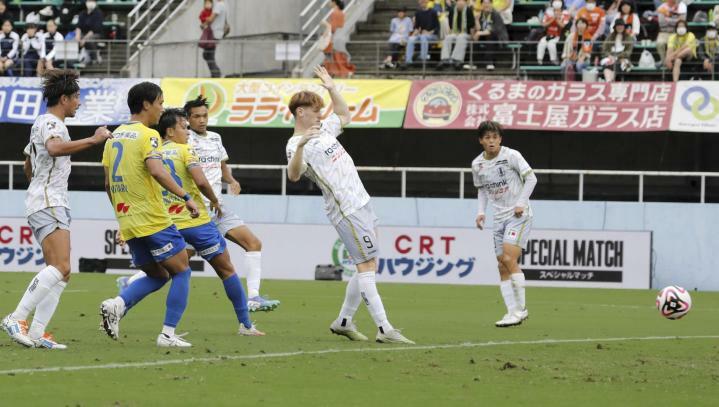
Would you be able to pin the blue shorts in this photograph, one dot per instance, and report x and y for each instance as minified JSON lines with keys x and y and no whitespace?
{"x":206,"y":240}
{"x":156,"y":247}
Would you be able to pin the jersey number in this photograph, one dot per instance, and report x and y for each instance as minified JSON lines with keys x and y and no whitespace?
{"x":171,"y":166}
{"x":118,"y":157}
{"x":368,"y":242}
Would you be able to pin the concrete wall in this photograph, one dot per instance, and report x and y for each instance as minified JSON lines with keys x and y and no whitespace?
{"x":684,"y":235}
{"x":184,"y":58}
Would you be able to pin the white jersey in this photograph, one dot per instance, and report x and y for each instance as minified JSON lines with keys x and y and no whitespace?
{"x":328,"y":165}
{"x":211,"y":153}
{"x":48,"y":187}
{"x":501,"y":179}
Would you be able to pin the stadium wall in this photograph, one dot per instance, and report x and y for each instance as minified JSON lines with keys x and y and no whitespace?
{"x":683,"y":239}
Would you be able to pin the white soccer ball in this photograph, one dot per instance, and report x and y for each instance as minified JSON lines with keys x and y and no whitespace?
{"x":674,"y":302}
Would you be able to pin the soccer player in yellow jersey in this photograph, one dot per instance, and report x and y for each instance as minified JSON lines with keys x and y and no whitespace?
{"x":201,"y":232}
{"x":133,"y":169}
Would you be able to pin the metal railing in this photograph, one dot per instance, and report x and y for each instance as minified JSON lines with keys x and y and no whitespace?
{"x":461,"y":172}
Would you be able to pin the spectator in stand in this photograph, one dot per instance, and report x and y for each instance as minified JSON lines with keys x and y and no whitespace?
{"x":208,"y":41}
{"x":595,"y":17}
{"x":337,"y":61}
{"x":442,"y":8}
{"x":426,"y":29}
{"x":670,"y":13}
{"x":89,"y":31}
{"x":554,"y":22}
{"x":682,"y":46}
{"x":461,"y":25}
{"x":630,"y":18}
{"x":9,"y":45}
{"x":505,"y":9}
{"x":47,"y":55}
{"x":573,"y":6}
{"x":616,"y":51}
{"x":400,"y":27}
{"x":708,"y":50}
{"x":5,"y":14}
{"x":31,"y":48}
{"x":611,"y":9}
{"x":577,"y":53}
{"x":490,"y":31}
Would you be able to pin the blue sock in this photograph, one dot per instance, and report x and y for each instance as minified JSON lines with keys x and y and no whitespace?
{"x":139,"y":289}
{"x":236,"y":294}
{"x":177,"y":298}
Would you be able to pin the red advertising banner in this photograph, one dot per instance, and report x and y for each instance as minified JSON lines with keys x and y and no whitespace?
{"x":541,"y":105}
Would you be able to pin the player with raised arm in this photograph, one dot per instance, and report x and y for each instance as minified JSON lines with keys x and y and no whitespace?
{"x":213,"y":159}
{"x":184,"y":166}
{"x":134,"y":173}
{"x":314,"y":151}
{"x":47,"y":166}
{"x":503,"y":177}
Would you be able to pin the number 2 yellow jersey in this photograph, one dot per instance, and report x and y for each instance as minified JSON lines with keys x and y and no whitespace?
{"x":136,"y":196}
{"x":178,"y":159}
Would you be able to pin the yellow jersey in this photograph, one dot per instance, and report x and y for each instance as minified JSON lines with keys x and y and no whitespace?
{"x":178,"y":159}
{"x":136,"y":196}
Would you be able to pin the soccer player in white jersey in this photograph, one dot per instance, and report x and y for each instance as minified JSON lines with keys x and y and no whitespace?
{"x":47,"y":207}
{"x":213,"y":159}
{"x":314,"y":151}
{"x":503,"y":177}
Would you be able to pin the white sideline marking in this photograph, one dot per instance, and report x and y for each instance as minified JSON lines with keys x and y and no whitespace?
{"x":353,"y":350}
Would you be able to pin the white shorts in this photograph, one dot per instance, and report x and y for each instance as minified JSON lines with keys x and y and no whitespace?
{"x":358,"y":233}
{"x":514,"y":231}
{"x":46,"y":221}
{"x":228,"y":221}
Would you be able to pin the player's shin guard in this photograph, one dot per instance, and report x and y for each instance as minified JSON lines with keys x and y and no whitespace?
{"x":236,"y":294}
{"x":518,"y":284}
{"x":505,"y":287}
{"x":253,"y":263}
{"x":37,"y":291}
{"x":368,"y":291}
{"x":45,"y":310}
{"x":177,"y":298}
{"x":139,"y":289}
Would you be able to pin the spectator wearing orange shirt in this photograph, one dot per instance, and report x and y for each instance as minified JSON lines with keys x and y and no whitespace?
{"x":337,"y":60}
{"x":595,"y":18}
{"x":670,"y":13}
{"x":577,"y":52}
{"x":555,"y":20}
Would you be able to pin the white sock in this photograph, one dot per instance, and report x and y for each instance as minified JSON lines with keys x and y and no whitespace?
{"x":368,"y":292}
{"x":168,"y":330}
{"x":253,"y":263}
{"x":352,"y":299}
{"x":508,"y":294}
{"x":518,"y":287}
{"x":136,"y":277}
{"x":36,"y":291}
{"x":45,"y":310}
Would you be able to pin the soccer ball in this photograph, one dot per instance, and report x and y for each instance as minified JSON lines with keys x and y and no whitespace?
{"x":674,"y":302}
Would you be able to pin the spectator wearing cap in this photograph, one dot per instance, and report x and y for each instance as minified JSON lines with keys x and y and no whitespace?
{"x":669,"y":13}
{"x":461,"y":26}
{"x":616,"y":51}
{"x":400,"y":27}
{"x":9,"y":48}
{"x":682,"y":46}
{"x":31,"y":48}
{"x":89,"y":30}
{"x":629,"y":16}
{"x":708,"y":50}
{"x":47,"y":55}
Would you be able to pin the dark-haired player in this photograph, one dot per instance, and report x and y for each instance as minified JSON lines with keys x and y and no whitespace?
{"x":47,"y":207}
{"x":503,"y":176}
{"x":213,"y":159}
{"x":134,"y":173}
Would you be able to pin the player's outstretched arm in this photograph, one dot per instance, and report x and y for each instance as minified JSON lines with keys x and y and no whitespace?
{"x":232,"y":183}
{"x":27,"y":169}
{"x":158,"y":172}
{"x":56,"y":147}
{"x":198,"y":176}
{"x":339,"y":105}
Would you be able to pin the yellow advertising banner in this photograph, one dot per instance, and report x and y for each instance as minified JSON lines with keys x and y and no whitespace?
{"x":263,"y":102}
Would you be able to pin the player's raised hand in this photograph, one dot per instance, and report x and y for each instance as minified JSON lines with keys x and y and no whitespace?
{"x":480,"y":222}
{"x":192,"y":208}
{"x":312,"y":132}
{"x":235,"y":188}
{"x":101,"y":134}
{"x":327,"y":81}
{"x":216,"y":208}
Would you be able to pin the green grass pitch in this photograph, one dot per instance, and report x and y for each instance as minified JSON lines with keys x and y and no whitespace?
{"x":579,"y":347}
